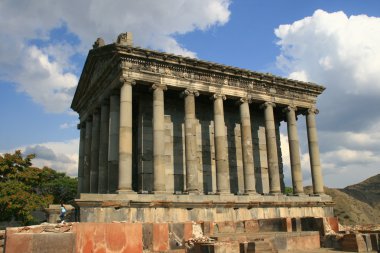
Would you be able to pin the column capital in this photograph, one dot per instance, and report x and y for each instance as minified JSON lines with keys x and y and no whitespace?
{"x":290,"y":108}
{"x":159,"y":86}
{"x":267,"y":104}
{"x":189,"y":92}
{"x":217,"y":96}
{"x":312,"y":110}
{"x":124,"y":80}
{"x":243,"y":100}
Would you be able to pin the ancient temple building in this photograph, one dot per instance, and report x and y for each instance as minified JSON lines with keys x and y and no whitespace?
{"x":170,"y":138}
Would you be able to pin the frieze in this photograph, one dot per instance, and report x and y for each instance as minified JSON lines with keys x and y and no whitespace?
{"x":217,"y":79}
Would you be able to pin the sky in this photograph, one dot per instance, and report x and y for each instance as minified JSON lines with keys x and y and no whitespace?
{"x":334,"y":43}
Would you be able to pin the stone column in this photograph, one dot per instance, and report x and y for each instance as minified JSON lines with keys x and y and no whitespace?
{"x":294,"y":149}
{"x":95,"y":152}
{"x":158,"y":139}
{"x":103,"y":148}
{"x":87,"y":156}
{"x":247,"y":149}
{"x":271,"y":142}
{"x":125,"y":137}
{"x":82,"y":140}
{"x":315,"y":163}
{"x":192,"y":185}
{"x":222,"y":174}
{"x":113,"y":143}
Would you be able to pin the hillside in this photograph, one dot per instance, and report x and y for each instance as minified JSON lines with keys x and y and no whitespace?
{"x":367,"y":191}
{"x":357,"y":204}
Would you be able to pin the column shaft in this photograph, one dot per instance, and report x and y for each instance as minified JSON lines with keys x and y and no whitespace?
{"x":158,"y":139}
{"x":294,"y":150}
{"x":103,"y":148}
{"x":113,"y":143}
{"x":270,"y":133}
{"x":125,"y":138}
{"x":222,"y":174}
{"x":82,"y":140}
{"x":315,"y":162}
{"x":95,"y":152}
{"x":247,"y":149}
{"x":192,"y":185}
{"x":87,"y":157}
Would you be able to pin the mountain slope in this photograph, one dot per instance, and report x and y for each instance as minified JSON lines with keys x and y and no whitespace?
{"x":367,"y":191}
{"x":358,"y":203}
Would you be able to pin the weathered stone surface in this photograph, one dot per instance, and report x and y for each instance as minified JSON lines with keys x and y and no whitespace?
{"x":108,"y":237}
{"x":160,"y":236}
{"x":354,"y":242}
{"x":44,"y":243}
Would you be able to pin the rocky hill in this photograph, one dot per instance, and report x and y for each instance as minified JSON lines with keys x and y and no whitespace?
{"x":357,"y":204}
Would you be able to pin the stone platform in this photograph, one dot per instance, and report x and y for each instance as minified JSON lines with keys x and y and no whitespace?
{"x":183,"y":208}
{"x":169,"y":237}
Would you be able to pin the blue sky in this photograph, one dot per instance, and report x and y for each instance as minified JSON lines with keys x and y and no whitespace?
{"x":334,"y":43}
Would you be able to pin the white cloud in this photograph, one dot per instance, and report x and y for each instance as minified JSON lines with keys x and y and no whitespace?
{"x":43,"y":69}
{"x":342,"y":53}
{"x":60,"y":156}
{"x":331,"y":47}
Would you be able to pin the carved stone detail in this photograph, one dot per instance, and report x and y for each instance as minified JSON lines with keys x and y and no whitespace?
{"x":218,"y":95}
{"x":159,"y":86}
{"x":190,"y":92}
{"x":125,"y":39}
{"x":98,"y":43}
{"x":266,"y":104}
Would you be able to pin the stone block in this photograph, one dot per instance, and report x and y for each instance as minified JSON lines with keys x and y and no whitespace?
{"x":187,"y":230}
{"x":115,"y":237}
{"x":354,"y":242}
{"x":375,"y":241}
{"x":287,"y":224}
{"x":312,"y":224}
{"x":239,"y":225}
{"x":46,"y":242}
{"x":207,"y":228}
{"x":54,"y":243}
{"x":84,"y":236}
{"x":147,"y":236}
{"x":334,"y":223}
{"x":271,"y":225}
{"x":296,"y":224}
{"x":225,"y":227}
{"x":160,"y":236}
{"x":367,"y":240}
{"x":302,"y":242}
{"x":19,"y":242}
{"x":251,"y":226}
{"x":176,"y":235}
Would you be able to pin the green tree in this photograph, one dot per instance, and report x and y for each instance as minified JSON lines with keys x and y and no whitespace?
{"x":24,"y":188}
{"x":288,"y":190}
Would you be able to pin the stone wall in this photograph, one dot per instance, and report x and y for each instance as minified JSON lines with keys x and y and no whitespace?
{"x":180,"y":237}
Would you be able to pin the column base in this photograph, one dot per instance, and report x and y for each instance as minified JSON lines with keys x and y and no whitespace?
{"x":252,"y":194}
{"x":192,"y":192}
{"x":300,"y":194}
{"x":161,"y":192}
{"x":275,"y":193}
{"x":318,"y":194}
{"x":126,"y":192}
{"x":224,"y":193}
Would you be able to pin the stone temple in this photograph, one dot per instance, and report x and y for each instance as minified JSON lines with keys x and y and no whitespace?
{"x":167,"y":138}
